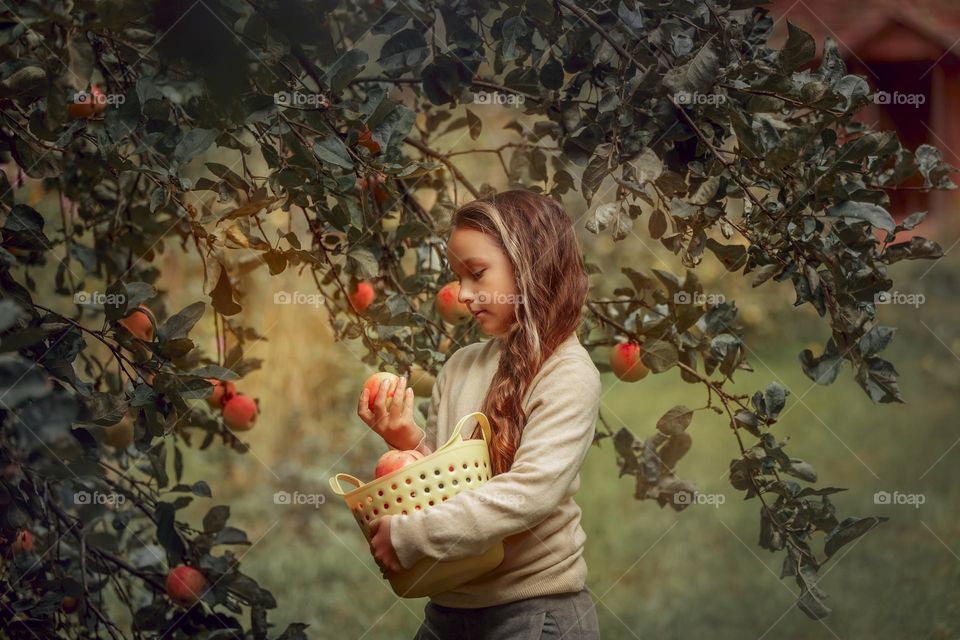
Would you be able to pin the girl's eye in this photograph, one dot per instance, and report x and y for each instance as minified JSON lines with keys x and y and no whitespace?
{"x":478,"y":274}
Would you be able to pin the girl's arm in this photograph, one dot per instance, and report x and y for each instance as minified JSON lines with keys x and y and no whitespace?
{"x":424,"y":440}
{"x":559,"y":432}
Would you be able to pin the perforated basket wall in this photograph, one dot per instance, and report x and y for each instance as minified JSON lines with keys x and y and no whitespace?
{"x":459,"y":465}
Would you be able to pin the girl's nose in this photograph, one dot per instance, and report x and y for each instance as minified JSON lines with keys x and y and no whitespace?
{"x":465,"y":296}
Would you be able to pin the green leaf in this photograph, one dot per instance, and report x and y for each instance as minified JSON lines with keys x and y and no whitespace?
{"x":659,"y":356}
{"x":331,"y":149}
{"x":216,"y":519}
{"x":404,"y":50}
{"x":675,"y":421}
{"x":193,"y":143}
{"x":848,"y":531}
{"x":799,"y":50}
{"x":876,"y":215}
{"x":179,"y":325}
{"x":695,"y":76}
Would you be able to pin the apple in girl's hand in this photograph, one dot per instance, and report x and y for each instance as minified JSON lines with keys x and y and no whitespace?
{"x":372,"y":385}
{"x":396,"y":459}
{"x":448,"y":305}
{"x":625,"y":362}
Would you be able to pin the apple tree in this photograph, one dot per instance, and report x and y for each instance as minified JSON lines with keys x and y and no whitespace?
{"x":674,"y":121}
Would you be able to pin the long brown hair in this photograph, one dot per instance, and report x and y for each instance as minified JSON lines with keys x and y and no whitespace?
{"x":537,"y":235}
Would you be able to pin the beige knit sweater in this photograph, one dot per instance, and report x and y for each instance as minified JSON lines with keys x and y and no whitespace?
{"x":530,"y":507}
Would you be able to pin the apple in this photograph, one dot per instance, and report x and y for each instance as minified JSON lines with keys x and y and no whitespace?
{"x":240,"y":412}
{"x":138,"y":323}
{"x":374,"y":185}
{"x":120,"y":435}
{"x":396,"y":459}
{"x":23,"y":541}
{"x":362,"y":295}
{"x":69,"y":604}
{"x":448,"y":305}
{"x":365,"y":139}
{"x":625,"y":362}
{"x":185,"y":585}
{"x":372,"y":385}
{"x":391,"y":221}
{"x":223,"y":391}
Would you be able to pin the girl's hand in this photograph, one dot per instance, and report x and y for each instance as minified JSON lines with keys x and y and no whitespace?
{"x":382,"y":548}
{"x":395,"y":425}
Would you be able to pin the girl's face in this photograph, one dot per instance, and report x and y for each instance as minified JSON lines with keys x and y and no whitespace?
{"x":487,"y":282}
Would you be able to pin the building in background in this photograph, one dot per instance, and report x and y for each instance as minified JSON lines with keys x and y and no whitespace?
{"x":909,"y":52}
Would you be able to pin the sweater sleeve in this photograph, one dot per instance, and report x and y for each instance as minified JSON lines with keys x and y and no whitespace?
{"x":560,"y":425}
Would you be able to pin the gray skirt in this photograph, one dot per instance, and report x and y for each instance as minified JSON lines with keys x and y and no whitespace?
{"x":571,"y":616}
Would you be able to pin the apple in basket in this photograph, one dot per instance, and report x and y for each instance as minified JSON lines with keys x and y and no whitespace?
{"x":396,"y":459}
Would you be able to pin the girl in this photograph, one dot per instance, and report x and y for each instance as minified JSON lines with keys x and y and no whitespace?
{"x":522,"y":277}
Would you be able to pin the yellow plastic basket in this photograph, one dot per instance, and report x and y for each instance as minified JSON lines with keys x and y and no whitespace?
{"x":459,"y":465}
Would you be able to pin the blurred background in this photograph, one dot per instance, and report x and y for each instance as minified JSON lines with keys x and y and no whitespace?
{"x":653,"y":573}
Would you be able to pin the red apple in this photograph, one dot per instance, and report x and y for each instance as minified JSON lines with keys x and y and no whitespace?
{"x":372,"y":385}
{"x":625,"y":362}
{"x":138,"y":323}
{"x":365,"y":139}
{"x":240,"y":412}
{"x":396,"y":459}
{"x":185,"y":585}
{"x":69,"y":604}
{"x":23,"y":541}
{"x":449,"y":307}
{"x":362,"y":295}
{"x":223,"y":391}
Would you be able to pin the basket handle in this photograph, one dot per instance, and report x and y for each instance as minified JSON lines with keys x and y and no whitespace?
{"x":484,"y":427}
{"x":335,"y":482}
